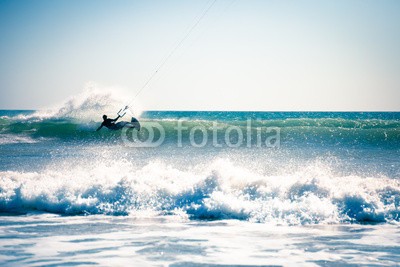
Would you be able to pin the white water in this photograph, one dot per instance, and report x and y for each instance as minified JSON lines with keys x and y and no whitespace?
{"x":216,"y":190}
{"x":16,"y":139}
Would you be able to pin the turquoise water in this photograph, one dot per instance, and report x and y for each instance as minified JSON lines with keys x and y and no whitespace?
{"x":274,"y":187}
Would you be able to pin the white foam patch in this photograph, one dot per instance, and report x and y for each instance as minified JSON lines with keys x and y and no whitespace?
{"x":218,"y":190}
{"x":16,"y":139}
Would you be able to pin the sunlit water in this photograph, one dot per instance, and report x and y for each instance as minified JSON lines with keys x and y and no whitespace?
{"x":39,"y":240}
{"x":327,"y":193}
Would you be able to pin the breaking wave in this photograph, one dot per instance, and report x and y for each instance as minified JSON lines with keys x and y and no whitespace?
{"x":79,"y":116}
{"x":215,"y":191}
{"x":324,"y":131}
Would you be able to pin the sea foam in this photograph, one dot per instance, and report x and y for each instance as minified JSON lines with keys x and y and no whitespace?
{"x":209,"y":191}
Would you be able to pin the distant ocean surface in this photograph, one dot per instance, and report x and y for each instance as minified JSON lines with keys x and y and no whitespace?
{"x":220,"y":188}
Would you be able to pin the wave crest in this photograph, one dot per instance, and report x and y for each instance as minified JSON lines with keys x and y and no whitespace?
{"x":215,"y":191}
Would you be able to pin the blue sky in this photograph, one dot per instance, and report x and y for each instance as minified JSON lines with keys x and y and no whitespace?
{"x":244,"y":55}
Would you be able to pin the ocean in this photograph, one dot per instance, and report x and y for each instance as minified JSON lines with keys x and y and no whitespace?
{"x":199,"y":188}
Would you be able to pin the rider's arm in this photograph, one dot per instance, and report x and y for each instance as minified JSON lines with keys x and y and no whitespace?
{"x":100,"y":127}
{"x":116,"y":118}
